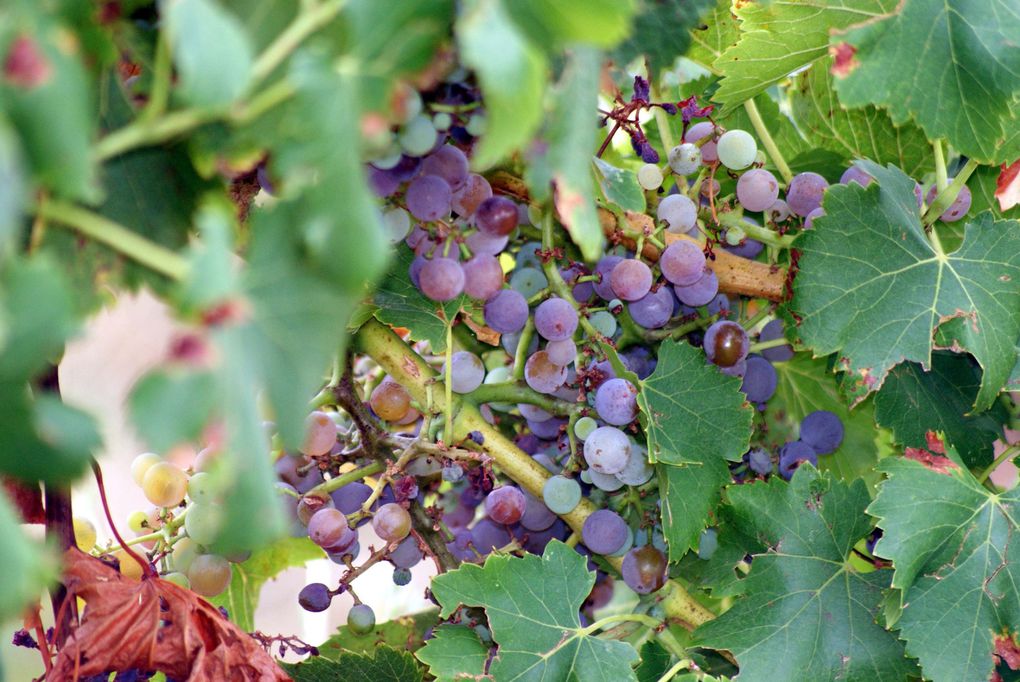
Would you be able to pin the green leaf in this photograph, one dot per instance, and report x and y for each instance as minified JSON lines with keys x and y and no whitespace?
{"x":532,"y":605}
{"x":394,"y":37}
{"x":717,"y":31}
{"x":620,"y":186}
{"x":688,"y":493}
{"x":951,"y":65}
{"x":863,"y":133}
{"x":384,"y":665}
{"x":553,"y":24}
{"x":39,"y":315}
{"x":807,"y":384}
{"x":913,"y":402}
{"x":806,"y":614}
{"x":779,"y":37}
{"x":571,"y":137}
{"x":212,"y":53}
{"x":242,"y":596}
{"x":399,"y":303}
{"x":873,"y":287}
{"x":263,"y":20}
{"x":655,"y":661}
{"x":660,"y":32}
{"x":982,"y":190}
{"x":952,"y":543}
{"x":172,"y":407}
{"x":26,"y":567}
{"x":454,"y":652}
{"x":13,"y":193}
{"x":692,"y":412}
{"x":512,"y":73}
{"x":404,"y":632}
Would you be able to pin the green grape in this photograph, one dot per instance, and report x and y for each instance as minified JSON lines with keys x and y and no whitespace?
{"x":184,"y":552}
{"x":361,"y":619}
{"x":137,"y":521}
{"x":201,"y":488}
{"x":604,"y":323}
{"x":209,"y":575}
{"x":179,"y":579}
{"x":164,"y":484}
{"x":203,"y":523}
{"x":584,"y":426}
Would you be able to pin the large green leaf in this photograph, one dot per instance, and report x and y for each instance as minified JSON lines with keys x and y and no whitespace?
{"x":779,"y":37}
{"x":864,"y":133}
{"x":385,"y":664}
{"x":211,"y":50}
{"x":620,"y":186}
{"x":455,"y":651}
{"x":399,"y":303}
{"x":512,"y":72}
{"x":403,"y":632}
{"x":718,"y":30}
{"x":169,"y":407}
{"x":660,"y":32}
{"x":953,"y":545}
{"x":688,"y":494}
{"x":553,"y":24}
{"x":23,"y":563}
{"x":873,"y":287}
{"x":913,"y":402}
{"x":951,"y":65}
{"x":532,"y":605}
{"x":806,"y":614}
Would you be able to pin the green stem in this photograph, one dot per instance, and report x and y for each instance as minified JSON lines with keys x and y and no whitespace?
{"x":1007,"y":454}
{"x":521,"y":354}
{"x":762,"y":234}
{"x":159,"y":95}
{"x":941,"y":178}
{"x":679,"y":330}
{"x":677,"y":667}
{"x":764,"y":345}
{"x":448,"y":385}
{"x":647,"y":621}
{"x":309,"y":20}
{"x":661,"y":122}
{"x":514,"y":392}
{"x":116,"y":236}
{"x":144,"y":133}
{"x":947,"y":196}
{"x":351,"y":476}
{"x":766,"y":138}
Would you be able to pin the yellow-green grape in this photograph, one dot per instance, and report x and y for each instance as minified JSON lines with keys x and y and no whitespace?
{"x":361,"y":619}
{"x":184,"y":552}
{"x":209,"y":575}
{"x":205,"y":459}
{"x":129,"y":568}
{"x":141,"y":464}
{"x":84,"y":534}
{"x":201,"y":487}
{"x":203,"y":523}
{"x":137,"y":522}
{"x":164,"y":484}
{"x":320,"y":434}
{"x":178,"y":579}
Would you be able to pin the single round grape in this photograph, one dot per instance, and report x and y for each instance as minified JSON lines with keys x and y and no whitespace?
{"x":555,"y":319}
{"x":678,"y":212}
{"x":383,"y":183}
{"x":327,"y":527}
{"x":603,"y":287}
{"x":361,"y":619}
{"x":584,"y":426}
{"x":406,"y":554}
{"x":314,"y":597}
{"x":649,"y":176}
{"x":466,"y":199}
{"x":607,"y":482}
{"x":655,"y":309}
{"x":616,"y":402}
{"x":417,"y":136}
{"x":204,"y":523}
{"x":533,"y":413}
{"x":638,"y":470}
{"x":311,"y":503}
{"x":779,"y":211}
{"x":709,"y":149}
{"x":496,"y":216}
{"x":747,"y":248}
{"x":528,"y":281}
{"x":441,"y":279}
{"x":685,"y":158}
{"x":603,"y":322}
{"x":448,"y":163}
{"x":184,"y":552}
{"x":178,"y":579}
{"x":760,"y":379}
{"x":483,"y":276}
{"x":140,"y":465}
{"x":129,"y":567}
{"x":506,"y":312}
{"x":164,"y":484}
{"x":757,"y":189}
{"x":760,"y":461}
{"x":644,"y":569}
{"x":466,"y":372}
{"x":793,"y":455}
{"x":428,"y":198}
{"x":488,"y":535}
{"x":414,"y":270}
{"x":349,"y":498}
{"x":822,"y":430}
{"x":548,"y":429}
{"x":562,"y":352}
{"x":958,"y":209}
{"x":726,"y":343}
{"x":477,"y":124}
{"x":631,"y":279}
{"x":320,"y":434}
{"x":770,"y":332}
{"x":482,"y":244}
{"x":708,"y":542}
{"x":604,"y":531}
{"x":397,"y":223}
{"x":401,"y":576}
{"x":391,"y":522}
{"x":542,"y":374}
{"x":805,"y":192}
{"x":209,"y":575}
{"x":737,"y":149}
{"x":699,"y":293}
{"x":607,"y":450}
{"x":442,"y":121}
{"x":390,"y":401}
{"x":682,"y":262}
{"x":561,"y":494}
{"x":855,"y":174}
{"x":536,"y":517}
{"x":84,"y":534}
{"x":201,"y":488}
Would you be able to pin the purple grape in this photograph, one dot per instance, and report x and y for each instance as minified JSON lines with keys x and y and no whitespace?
{"x":512,"y":340}
{"x":682,"y":262}
{"x":555,"y":319}
{"x":537,"y":516}
{"x":607,"y":449}
{"x":349,"y":498}
{"x":496,"y":216}
{"x":701,"y":292}
{"x":822,"y":430}
{"x":466,"y":372}
{"x":726,"y":343}
{"x":958,"y":209}
{"x":631,"y":279}
{"x":757,"y":189}
{"x":474,"y":191}
{"x":483,"y":277}
{"x":542,"y":374}
{"x":561,"y":353}
{"x":482,"y":244}
{"x":616,"y":402}
{"x":809,"y":220}
{"x":314,"y":597}
{"x":407,"y":553}
{"x":581,"y":291}
{"x":448,"y":163}
{"x":506,"y":312}
{"x":792,"y":455}
{"x":771,"y":331}
{"x":547,"y":429}
{"x":488,"y":535}
{"x":805,"y":193}
{"x":428,"y":198}
{"x":747,"y":248}
{"x":760,"y":461}
{"x":778,"y":212}
{"x":505,"y":505}
{"x":655,"y":309}
{"x":537,"y":540}
{"x":533,"y":413}
{"x":604,"y":532}
{"x":855,"y":174}
{"x":759,"y":379}
{"x":720,"y":305}
{"x":709,"y":154}
{"x":644,"y":569}
{"x":678,"y":212}
{"x":381,"y":182}
{"x":441,"y":279}
{"x":604,"y":268}
{"x":406,"y":168}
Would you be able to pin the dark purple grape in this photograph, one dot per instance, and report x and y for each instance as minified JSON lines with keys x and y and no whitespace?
{"x":406,"y":554}
{"x":760,"y":461}
{"x":771,"y":331}
{"x":701,"y":292}
{"x":487,"y":535}
{"x":537,"y":516}
{"x":428,"y":198}
{"x":505,"y":505}
{"x":506,"y":312}
{"x":496,"y":216}
{"x":314,"y":597}
{"x":792,"y":455}
{"x":759,"y":379}
{"x":655,"y":309}
{"x":822,"y":430}
{"x":603,"y":269}
{"x":644,"y":569}
{"x":604,"y":532}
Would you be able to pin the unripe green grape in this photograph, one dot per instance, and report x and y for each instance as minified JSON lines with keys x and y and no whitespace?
{"x":476,"y":125}
{"x":209,"y":575}
{"x":734,"y":235}
{"x":201,"y":488}
{"x":129,"y":568}
{"x":140,"y":465}
{"x":418,"y":136}
{"x":164,"y":484}
{"x":184,"y":552}
{"x":84,"y":534}
{"x":442,"y":121}
{"x":178,"y":579}
{"x":649,"y":176}
{"x":736,"y":149}
{"x":136,"y":522}
{"x":361,"y":619}
{"x":604,"y":323}
{"x":203,"y":523}
{"x":584,"y":426}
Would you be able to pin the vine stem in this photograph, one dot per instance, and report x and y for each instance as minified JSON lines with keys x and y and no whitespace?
{"x":340,"y":481}
{"x":514,"y":392}
{"x":677,"y":667}
{"x":947,"y":196}
{"x":310,"y":19}
{"x":410,"y":370}
{"x":941,"y":178}
{"x":1007,"y":454}
{"x":116,"y":236}
{"x":647,"y":621}
{"x":766,"y":138}
{"x":762,"y":234}
{"x":765,"y":345}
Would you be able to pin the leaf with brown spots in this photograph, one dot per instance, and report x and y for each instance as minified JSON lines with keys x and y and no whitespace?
{"x":152,"y":624}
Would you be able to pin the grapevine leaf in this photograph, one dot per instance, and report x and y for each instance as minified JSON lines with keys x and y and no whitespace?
{"x":620,"y":186}
{"x":262,"y":19}
{"x":660,"y":47}
{"x":512,"y":72}
{"x":953,"y":66}
{"x":806,"y":614}
{"x":171,"y":407}
{"x":952,"y":543}
{"x":404,"y":632}
{"x":555,"y":23}
{"x":718,"y":30}
{"x":453,"y":653}
{"x":242,"y":595}
{"x":385,"y":664}
{"x":394,"y":36}
{"x":806,"y":384}
{"x":399,"y":303}
{"x":873,"y":287}
{"x":779,"y":37}
{"x":532,"y":605}
{"x":692,"y":412}
{"x":864,"y":133}
{"x":23,"y":563}
{"x":13,"y":193}
{"x":211,"y":51}
{"x":913,"y":402}
{"x":655,"y":661}
{"x":689,"y":492}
